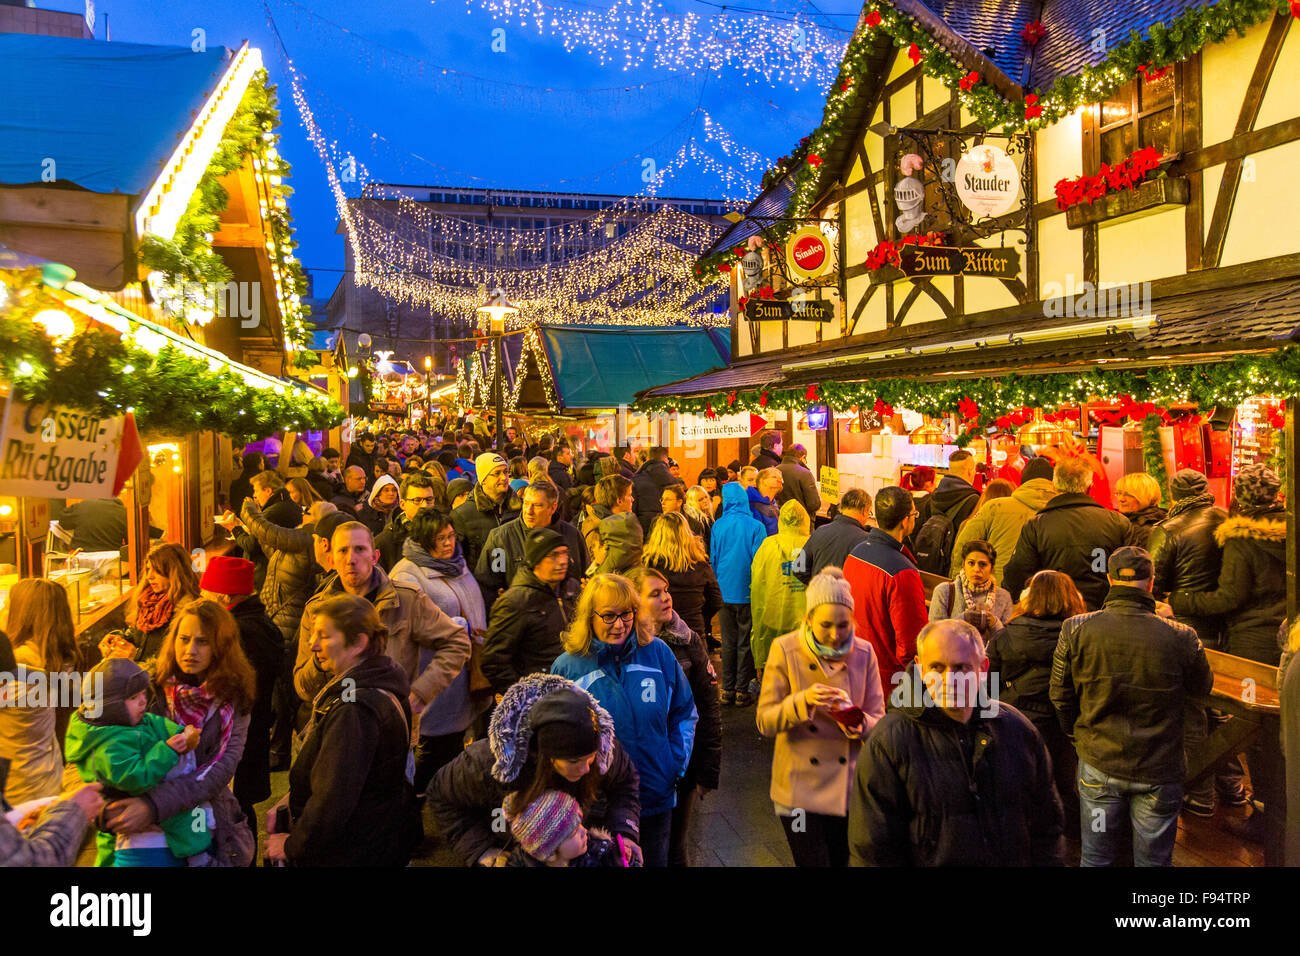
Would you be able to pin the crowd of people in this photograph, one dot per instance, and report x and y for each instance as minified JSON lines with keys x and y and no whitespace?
{"x":539,"y":648}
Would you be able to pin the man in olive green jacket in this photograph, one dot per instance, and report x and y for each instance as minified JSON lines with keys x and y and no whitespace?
{"x":999,"y":521}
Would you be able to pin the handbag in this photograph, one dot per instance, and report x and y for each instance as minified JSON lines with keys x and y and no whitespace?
{"x":233,"y":843}
{"x":477,"y":682}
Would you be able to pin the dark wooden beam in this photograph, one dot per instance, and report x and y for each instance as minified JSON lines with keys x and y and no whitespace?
{"x":1250,"y":107}
{"x":1238,"y":147}
{"x":1194,"y":214}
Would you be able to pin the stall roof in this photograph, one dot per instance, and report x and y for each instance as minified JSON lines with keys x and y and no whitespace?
{"x":605,"y":367}
{"x":108,"y":114}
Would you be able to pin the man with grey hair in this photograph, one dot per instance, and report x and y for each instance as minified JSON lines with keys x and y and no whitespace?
{"x":1072,"y":534}
{"x":950,"y":778}
{"x":833,"y":541}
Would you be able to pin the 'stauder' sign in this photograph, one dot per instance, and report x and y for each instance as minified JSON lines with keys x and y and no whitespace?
{"x":764,"y":310}
{"x":959,"y":260}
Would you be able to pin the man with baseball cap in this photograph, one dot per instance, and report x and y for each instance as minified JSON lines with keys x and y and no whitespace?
{"x":1121,"y":681}
{"x":527,"y":621}
{"x":487,"y":508}
{"x":229,"y":581}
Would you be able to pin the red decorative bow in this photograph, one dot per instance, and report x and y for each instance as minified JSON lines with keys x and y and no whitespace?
{"x":915,"y":53}
{"x":969,"y":80}
{"x":811,"y":394}
{"x":1032,"y":109}
{"x":731,"y":399}
{"x":762,"y":400}
{"x":814,"y":160}
{"x":874,"y":19}
{"x":969,"y":410}
{"x":708,"y":410}
{"x":883,"y":409}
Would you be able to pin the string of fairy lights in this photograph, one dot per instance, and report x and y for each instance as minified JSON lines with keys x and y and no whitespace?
{"x":633,"y":34}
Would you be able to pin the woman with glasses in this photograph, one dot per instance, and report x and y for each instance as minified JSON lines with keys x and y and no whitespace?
{"x":636,"y":677}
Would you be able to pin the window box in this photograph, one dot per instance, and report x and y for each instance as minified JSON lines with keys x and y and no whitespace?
{"x":1126,"y":204}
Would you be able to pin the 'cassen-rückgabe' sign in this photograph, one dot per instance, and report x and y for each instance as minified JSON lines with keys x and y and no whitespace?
{"x":699,"y":427}
{"x":48,"y":451}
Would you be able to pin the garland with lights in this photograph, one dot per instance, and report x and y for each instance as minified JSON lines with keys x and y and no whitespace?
{"x":982,"y":401}
{"x":1138,"y":55}
{"x":170,"y":391}
{"x":1153,"y":456}
{"x":188,"y":259}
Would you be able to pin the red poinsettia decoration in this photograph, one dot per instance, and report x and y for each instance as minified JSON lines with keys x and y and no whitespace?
{"x":744,"y":300}
{"x":731,"y":399}
{"x":708,"y":410}
{"x":765,"y":292}
{"x":883,"y":409}
{"x":811,"y":394}
{"x":1153,"y":75}
{"x":874,"y":19}
{"x":814,"y":160}
{"x":968,"y":81}
{"x":889,"y":252}
{"x":739,"y":250}
{"x":1277,"y":417}
{"x":914,"y":52}
{"x":1124,"y":175}
{"x":762,"y":400}
{"x":1295,"y":9}
{"x":844,"y":87}
{"x":968,"y":409}
{"x":724,"y":266}
{"x":1032,"y":32}
{"x":1032,"y":109}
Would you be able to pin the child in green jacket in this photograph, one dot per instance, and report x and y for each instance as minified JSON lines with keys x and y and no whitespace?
{"x":113,"y":740}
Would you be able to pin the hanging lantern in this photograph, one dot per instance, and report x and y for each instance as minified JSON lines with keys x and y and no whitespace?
{"x":927,"y":433}
{"x":1040,"y":432}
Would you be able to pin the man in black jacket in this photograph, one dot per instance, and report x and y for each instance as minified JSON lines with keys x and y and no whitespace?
{"x":560,"y":471}
{"x":831,"y":543}
{"x":769,"y":452}
{"x":955,"y":498}
{"x":648,"y":486}
{"x":950,"y":778}
{"x":353,"y":495}
{"x":527,"y":623}
{"x":1121,"y":681}
{"x":503,"y":552}
{"x":487,"y":508}
{"x":1072,"y":534}
{"x":362,"y":454}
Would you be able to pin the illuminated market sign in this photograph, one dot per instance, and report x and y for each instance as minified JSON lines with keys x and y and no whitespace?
{"x":807,"y":310}
{"x":959,"y":260}
{"x":807,"y":253}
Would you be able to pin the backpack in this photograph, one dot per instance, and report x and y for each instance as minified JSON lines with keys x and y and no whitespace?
{"x":933,"y":548}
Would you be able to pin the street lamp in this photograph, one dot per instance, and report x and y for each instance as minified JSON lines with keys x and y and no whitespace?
{"x":428,"y":391}
{"x":496,"y":308}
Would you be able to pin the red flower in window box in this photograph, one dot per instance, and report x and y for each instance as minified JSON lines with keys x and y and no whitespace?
{"x":814,"y":160}
{"x":1032,"y":109}
{"x":1295,"y":9}
{"x":1032,"y":32}
{"x":914,"y":52}
{"x":968,"y":81}
{"x":874,"y":19}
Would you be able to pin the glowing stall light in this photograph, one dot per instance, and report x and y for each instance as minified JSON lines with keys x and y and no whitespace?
{"x":58,"y":324}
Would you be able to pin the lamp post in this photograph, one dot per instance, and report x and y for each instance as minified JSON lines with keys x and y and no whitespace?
{"x":496,"y":308}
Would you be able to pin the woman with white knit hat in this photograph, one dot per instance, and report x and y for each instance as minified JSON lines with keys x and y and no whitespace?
{"x":821,"y":696}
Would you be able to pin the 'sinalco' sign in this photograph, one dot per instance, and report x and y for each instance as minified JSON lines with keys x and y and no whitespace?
{"x":959,"y":260}
{"x":808,"y":310}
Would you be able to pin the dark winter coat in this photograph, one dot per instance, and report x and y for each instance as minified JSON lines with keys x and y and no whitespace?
{"x":1187,"y":558}
{"x":1074,"y":535}
{"x":509,"y":538}
{"x":1121,"y":681}
{"x":525,"y":629}
{"x":647,"y":486}
{"x":766,"y":458}
{"x":763,"y":509}
{"x":1143,"y":522}
{"x":695,"y":593}
{"x":918,"y":800}
{"x":1251,"y":593}
{"x":475,"y":518}
{"x":389,"y":541}
{"x":322,"y":485}
{"x":953,"y":496}
{"x":799,"y":484}
{"x":363,"y":461}
{"x":831,"y":544}
{"x":263,"y":644}
{"x":349,"y":799}
{"x":290,"y":570}
{"x":693,"y":657}
{"x":1021,"y":656}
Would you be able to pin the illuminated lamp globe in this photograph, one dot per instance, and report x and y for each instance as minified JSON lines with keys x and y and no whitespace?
{"x":926,"y":434}
{"x":497,"y":308}
{"x":1040,"y":432}
{"x":58,"y":324}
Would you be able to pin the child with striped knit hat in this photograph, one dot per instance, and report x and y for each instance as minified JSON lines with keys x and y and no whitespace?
{"x":549,"y":832}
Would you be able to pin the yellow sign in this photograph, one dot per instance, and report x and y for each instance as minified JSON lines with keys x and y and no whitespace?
{"x":830,"y":484}
{"x":808,"y":253}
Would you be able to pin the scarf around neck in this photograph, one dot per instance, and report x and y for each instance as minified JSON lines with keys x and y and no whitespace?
{"x":1187,"y":504}
{"x":192,"y":705}
{"x":153,"y":609}
{"x":452,"y":567}
{"x":976,"y":597}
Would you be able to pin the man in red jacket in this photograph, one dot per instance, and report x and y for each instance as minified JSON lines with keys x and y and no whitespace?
{"x":888,"y":596}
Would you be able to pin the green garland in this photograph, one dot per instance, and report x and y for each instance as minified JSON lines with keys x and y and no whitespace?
{"x":1163,"y":44}
{"x":1222,"y":383}
{"x":188,"y":257}
{"x":1153,"y":457}
{"x":171,"y":393}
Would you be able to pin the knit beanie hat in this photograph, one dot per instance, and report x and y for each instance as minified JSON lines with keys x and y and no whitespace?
{"x":539,"y":542}
{"x":828,"y":587}
{"x":105,"y":689}
{"x":226,"y":574}
{"x":380,"y":483}
{"x":488,"y":462}
{"x":565,"y":725}
{"x":1188,"y":483}
{"x":1036,"y":468}
{"x":545,"y":823}
{"x":457,"y":487}
{"x":1255,"y":489}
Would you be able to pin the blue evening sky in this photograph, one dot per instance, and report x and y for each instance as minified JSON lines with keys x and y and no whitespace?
{"x":441,"y":129}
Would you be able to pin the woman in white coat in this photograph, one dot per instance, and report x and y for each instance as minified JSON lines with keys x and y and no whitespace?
{"x":432,"y":562}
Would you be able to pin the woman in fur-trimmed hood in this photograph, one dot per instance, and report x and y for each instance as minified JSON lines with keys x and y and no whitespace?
{"x":1252,"y":583}
{"x":546,"y":734}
